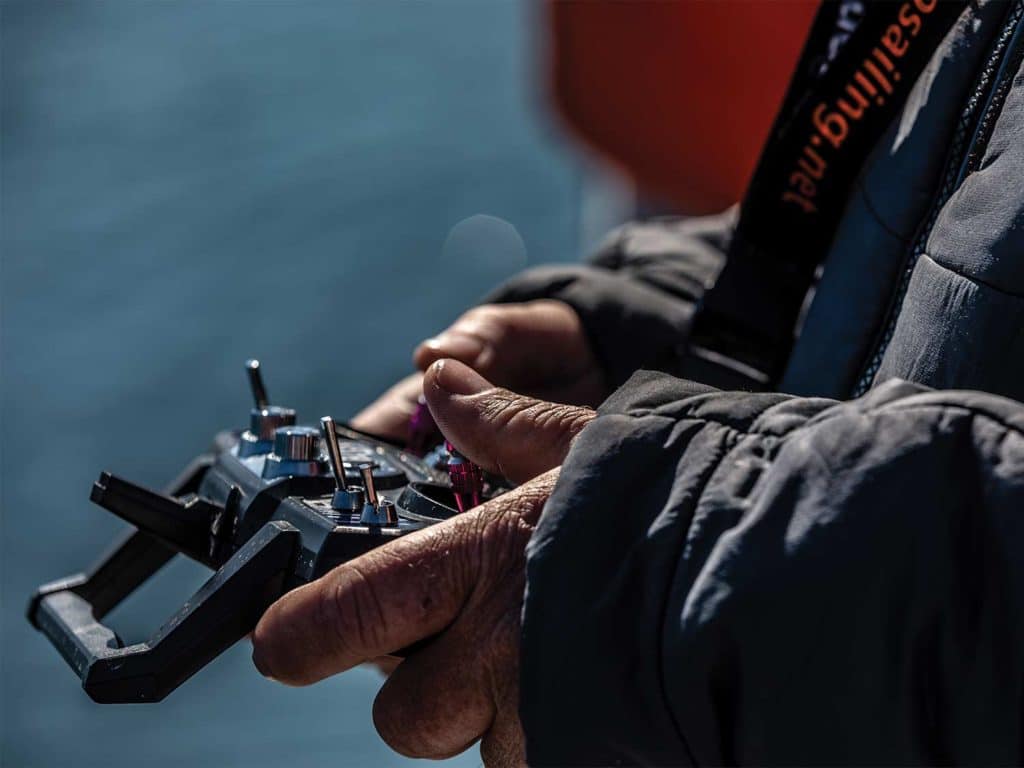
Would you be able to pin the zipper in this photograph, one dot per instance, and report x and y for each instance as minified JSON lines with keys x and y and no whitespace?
{"x":969,"y":140}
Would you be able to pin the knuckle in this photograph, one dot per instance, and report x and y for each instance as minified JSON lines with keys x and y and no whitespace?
{"x":562,"y":423}
{"x":567,"y":419}
{"x":573,"y":420}
{"x":502,"y":408}
{"x":491,"y":322}
{"x":438,"y":575}
{"x":508,"y":411}
{"x":504,"y":525}
{"x":351,"y":614}
{"x":474,"y":314}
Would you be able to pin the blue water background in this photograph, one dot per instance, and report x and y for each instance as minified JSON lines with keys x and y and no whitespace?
{"x":188,"y":184}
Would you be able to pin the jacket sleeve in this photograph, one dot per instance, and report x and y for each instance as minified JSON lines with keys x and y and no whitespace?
{"x":637,"y":294}
{"x":727,"y":578}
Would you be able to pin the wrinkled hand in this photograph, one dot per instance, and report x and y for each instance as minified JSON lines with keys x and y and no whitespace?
{"x":460,"y":582}
{"x":537,"y":347}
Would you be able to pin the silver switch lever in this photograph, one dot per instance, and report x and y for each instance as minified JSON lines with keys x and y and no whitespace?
{"x":259,"y":391}
{"x":330,"y":434}
{"x":366,"y":471}
{"x":377,"y":510}
{"x":387,"y":512}
{"x":346,"y":498}
{"x":371,"y":509}
{"x":264,"y":419}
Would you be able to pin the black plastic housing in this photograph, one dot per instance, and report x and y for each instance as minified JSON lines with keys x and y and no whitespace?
{"x":262,"y":538}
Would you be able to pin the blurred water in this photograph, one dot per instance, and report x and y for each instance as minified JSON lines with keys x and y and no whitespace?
{"x":188,"y":184}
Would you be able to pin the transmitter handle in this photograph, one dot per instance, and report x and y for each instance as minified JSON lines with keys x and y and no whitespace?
{"x":69,"y":612}
{"x":224,"y":610}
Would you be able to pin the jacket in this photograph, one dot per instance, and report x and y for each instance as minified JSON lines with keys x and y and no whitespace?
{"x":831,"y":573}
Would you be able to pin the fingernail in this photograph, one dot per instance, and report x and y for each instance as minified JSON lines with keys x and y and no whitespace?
{"x":459,"y":379}
{"x":457,"y":346}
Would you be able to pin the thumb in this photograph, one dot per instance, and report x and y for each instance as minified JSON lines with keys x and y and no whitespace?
{"x":512,"y":435}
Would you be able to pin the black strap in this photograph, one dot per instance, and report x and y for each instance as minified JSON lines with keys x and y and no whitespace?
{"x":848,"y":87}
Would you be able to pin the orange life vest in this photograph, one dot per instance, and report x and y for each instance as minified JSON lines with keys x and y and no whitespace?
{"x":680,"y":94}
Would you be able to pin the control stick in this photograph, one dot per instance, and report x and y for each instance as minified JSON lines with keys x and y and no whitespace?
{"x":264,"y":419}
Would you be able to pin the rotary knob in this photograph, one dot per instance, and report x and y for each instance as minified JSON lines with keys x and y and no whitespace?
{"x":296,"y":452}
{"x":264,"y":422}
{"x":297,"y":443}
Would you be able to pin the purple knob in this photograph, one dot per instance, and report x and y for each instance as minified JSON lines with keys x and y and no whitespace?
{"x":467,"y":479}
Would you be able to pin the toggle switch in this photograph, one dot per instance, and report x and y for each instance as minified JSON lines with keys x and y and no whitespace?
{"x":296,"y":453}
{"x":264,"y":419}
{"x":369,"y":514}
{"x":387,"y":512}
{"x":376,"y":509}
{"x":349,"y":498}
{"x":259,"y":391}
{"x":366,"y":472}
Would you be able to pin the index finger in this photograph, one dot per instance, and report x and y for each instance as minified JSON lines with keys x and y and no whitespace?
{"x":384,"y":600}
{"x":369,"y":607}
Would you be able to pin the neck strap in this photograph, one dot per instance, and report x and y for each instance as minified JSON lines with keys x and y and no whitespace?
{"x":854,"y":74}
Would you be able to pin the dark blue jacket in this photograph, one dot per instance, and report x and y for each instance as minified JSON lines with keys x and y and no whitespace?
{"x":832,"y":575}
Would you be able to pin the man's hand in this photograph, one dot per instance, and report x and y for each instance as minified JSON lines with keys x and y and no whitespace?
{"x":459,"y":582}
{"x":515,"y":436}
{"x":536,"y":347}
